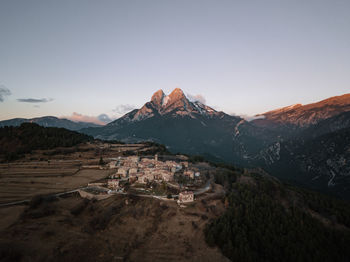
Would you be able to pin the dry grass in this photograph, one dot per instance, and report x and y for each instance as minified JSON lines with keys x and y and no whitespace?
{"x":138,"y":229}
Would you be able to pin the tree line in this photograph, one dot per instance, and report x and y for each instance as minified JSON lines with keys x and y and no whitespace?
{"x":16,"y":141}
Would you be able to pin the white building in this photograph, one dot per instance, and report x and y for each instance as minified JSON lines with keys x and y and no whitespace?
{"x":186,"y":197}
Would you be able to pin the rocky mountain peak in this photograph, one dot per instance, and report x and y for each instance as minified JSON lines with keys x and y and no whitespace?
{"x":174,"y":105}
{"x":176,"y":94}
{"x":158,"y":97}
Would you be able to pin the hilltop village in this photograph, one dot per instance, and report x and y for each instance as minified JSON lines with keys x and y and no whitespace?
{"x":142,"y":175}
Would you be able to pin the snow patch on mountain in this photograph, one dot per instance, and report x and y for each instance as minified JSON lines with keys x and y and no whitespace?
{"x":165,"y":100}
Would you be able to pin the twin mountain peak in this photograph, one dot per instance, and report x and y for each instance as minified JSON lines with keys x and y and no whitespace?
{"x":176,"y":105}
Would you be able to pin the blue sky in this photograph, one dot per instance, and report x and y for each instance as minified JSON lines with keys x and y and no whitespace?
{"x":84,"y":58}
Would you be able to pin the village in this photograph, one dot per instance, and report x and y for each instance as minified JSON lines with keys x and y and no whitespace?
{"x":149,"y":177}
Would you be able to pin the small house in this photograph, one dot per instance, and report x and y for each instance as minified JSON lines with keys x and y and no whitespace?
{"x":186,"y":197}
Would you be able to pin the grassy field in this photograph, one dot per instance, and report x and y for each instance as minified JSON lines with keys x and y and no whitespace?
{"x":57,"y":170}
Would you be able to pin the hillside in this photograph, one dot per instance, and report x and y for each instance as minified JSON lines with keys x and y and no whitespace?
{"x":268,"y":221}
{"x":319,"y":162}
{"x":15,"y":141}
{"x":48,"y":121}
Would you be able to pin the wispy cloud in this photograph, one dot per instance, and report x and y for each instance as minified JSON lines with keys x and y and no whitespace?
{"x":196,"y":98}
{"x":249,"y":118}
{"x":100,"y":119}
{"x":122,"y":109}
{"x":76,"y":117}
{"x":4,"y":91}
{"x":34,"y":100}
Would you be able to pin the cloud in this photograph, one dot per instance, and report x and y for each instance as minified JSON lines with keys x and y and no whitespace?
{"x":76,"y":117}
{"x":4,"y":91}
{"x":196,"y":98}
{"x":34,"y":100}
{"x":104,"y":118}
{"x":101,"y":119}
{"x":122,"y":109}
{"x":251,"y":118}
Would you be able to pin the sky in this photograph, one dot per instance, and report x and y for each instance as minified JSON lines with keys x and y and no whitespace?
{"x":96,"y":60}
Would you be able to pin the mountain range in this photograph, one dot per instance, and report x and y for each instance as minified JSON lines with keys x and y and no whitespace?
{"x":49,"y":121}
{"x":302,"y":144}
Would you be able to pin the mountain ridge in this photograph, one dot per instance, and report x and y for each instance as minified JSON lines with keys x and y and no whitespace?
{"x":49,"y":121}
{"x":299,"y":115}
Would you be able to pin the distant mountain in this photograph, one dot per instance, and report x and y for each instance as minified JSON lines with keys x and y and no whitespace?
{"x":305,"y":115}
{"x":312,"y":147}
{"x":49,"y":121}
{"x":174,"y":105}
{"x":293,"y":122}
{"x":183,"y":125}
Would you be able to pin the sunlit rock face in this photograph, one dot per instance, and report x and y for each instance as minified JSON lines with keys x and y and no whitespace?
{"x":175,"y":104}
{"x":305,"y":115}
{"x":157,"y":98}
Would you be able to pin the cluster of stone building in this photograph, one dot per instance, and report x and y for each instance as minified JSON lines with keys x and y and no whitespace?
{"x":147,"y":170}
{"x":134,"y":169}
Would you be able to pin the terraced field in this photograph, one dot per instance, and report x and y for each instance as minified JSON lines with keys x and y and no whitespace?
{"x":19,"y":181}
